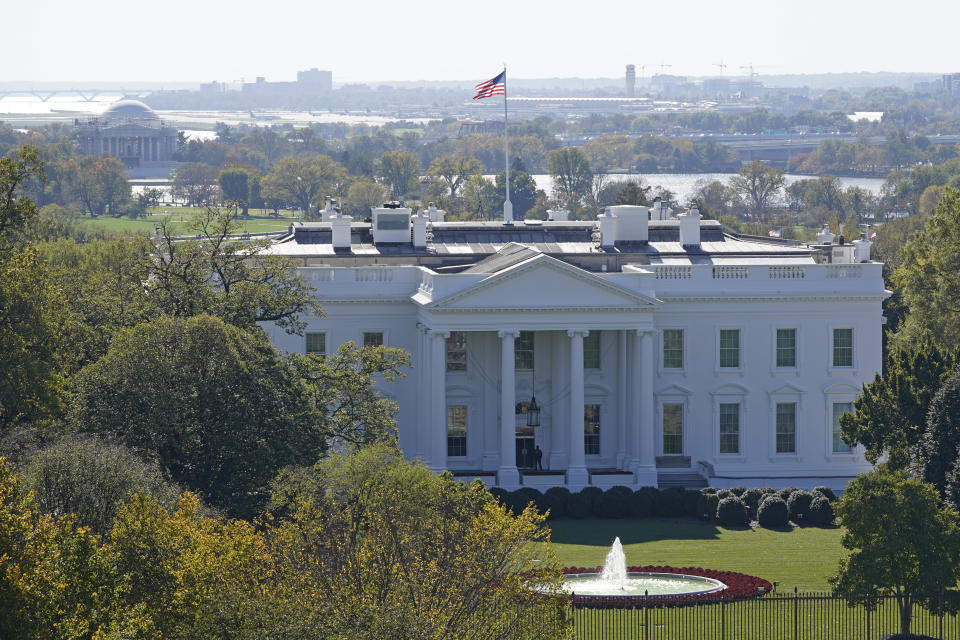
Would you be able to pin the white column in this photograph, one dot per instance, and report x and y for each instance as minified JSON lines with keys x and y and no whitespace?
{"x":646,"y":471}
{"x":507,"y":475}
{"x":622,"y":420}
{"x":438,"y":399}
{"x":577,"y":476}
{"x":637,"y":376}
{"x":422,"y":371}
{"x":559,"y":420}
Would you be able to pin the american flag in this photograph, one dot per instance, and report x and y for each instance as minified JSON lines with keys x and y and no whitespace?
{"x":496,"y":86}
{"x":775,"y":233}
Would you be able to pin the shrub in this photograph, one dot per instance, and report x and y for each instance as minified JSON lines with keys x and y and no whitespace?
{"x":518,"y":500}
{"x":555,"y":499}
{"x":731,"y":512}
{"x":690,"y":498}
{"x":708,"y":490}
{"x":773,"y":512}
{"x":738,"y":491}
{"x":707,"y":506}
{"x":821,"y":511}
{"x":578,"y":506}
{"x":799,"y":505}
{"x":751,"y":499}
{"x":724,"y":493}
{"x":615,"y":501}
{"x":644,"y":502}
{"x":786,"y":493}
{"x":826,"y":492}
{"x":593,"y":496}
{"x":500,"y":495}
{"x":670,"y":502}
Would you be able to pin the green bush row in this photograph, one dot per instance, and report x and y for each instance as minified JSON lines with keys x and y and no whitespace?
{"x":770,"y":507}
{"x":593,"y":502}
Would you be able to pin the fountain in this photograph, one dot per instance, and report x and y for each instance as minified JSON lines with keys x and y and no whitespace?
{"x":615,"y":581}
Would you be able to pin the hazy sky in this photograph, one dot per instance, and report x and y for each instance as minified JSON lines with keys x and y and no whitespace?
{"x":367,"y":40}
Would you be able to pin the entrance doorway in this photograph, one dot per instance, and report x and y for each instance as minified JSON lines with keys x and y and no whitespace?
{"x":525,"y":456}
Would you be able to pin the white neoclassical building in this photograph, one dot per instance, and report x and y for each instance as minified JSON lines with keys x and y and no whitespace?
{"x":638,"y":349}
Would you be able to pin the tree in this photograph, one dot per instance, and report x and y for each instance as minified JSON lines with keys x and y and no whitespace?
{"x":408,"y":554}
{"x":891,"y":412}
{"x":301,"y":181}
{"x":249,"y":285}
{"x":364,"y":195}
{"x":399,"y":170}
{"x":937,"y":453}
{"x":17,"y":210}
{"x":341,"y":389}
{"x":902,"y":543}
{"x":454,"y":171}
{"x":758,"y":184}
{"x":235,"y":187}
{"x":523,"y":191}
{"x":479,"y":198}
{"x":218,"y":406}
{"x":929,"y":277}
{"x":89,"y":478}
{"x":100,"y":183}
{"x":633,"y":193}
{"x":195,"y":183}
{"x":571,"y":173}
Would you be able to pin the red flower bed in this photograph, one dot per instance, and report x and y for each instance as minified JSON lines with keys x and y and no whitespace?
{"x":740,"y":586}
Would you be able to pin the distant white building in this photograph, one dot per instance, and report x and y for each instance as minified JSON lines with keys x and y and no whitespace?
{"x":657,"y":352}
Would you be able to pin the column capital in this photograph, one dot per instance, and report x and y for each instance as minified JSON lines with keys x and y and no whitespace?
{"x":646,"y":331}
{"x":438,"y":333}
{"x":578,"y":332}
{"x":508,"y":332}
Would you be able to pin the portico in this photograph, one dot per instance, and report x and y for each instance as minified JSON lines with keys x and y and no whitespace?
{"x":586,"y":426}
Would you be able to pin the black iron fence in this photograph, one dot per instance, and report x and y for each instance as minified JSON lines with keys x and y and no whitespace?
{"x":790,"y":616}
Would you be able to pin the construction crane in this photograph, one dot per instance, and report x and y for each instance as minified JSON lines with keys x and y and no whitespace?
{"x":664,"y":66}
{"x":753,"y":74}
{"x":721,"y":65}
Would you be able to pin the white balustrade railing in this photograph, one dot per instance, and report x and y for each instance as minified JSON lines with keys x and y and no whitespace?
{"x":728,"y":273}
{"x":843,"y":271}
{"x":787,"y":272}
{"x":670,"y":272}
{"x":373,"y":274}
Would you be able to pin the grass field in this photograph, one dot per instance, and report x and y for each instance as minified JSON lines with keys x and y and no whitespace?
{"x":802,"y":558}
{"x":179,"y":217}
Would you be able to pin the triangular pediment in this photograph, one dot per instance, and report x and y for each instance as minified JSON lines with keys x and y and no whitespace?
{"x":786,"y":388}
{"x":542,"y":282}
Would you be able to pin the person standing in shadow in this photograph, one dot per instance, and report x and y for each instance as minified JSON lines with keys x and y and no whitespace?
{"x":538,"y":457}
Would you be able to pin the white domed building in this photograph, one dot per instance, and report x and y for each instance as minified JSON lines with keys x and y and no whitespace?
{"x":131,"y":131}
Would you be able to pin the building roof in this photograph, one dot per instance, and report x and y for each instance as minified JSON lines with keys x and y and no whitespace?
{"x":129,"y":110}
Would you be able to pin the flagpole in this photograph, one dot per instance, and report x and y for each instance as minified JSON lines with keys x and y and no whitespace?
{"x":507,"y":205}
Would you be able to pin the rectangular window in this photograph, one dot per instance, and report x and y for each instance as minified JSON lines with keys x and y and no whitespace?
{"x":456,"y":431}
{"x":317,"y":344}
{"x":730,"y":348}
{"x":673,"y":348}
{"x":373,"y":338}
{"x":840,"y":408}
{"x":523,"y":351}
{"x":457,"y":351}
{"x":786,"y":347}
{"x":786,"y":427}
{"x":673,"y":429}
{"x":591,"y":350}
{"x":591,"y":429}
{"x":843,"y":347}
{"x":730,"y":427}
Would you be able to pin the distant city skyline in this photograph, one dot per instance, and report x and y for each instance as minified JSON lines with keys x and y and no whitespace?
{"x":180,"y":41}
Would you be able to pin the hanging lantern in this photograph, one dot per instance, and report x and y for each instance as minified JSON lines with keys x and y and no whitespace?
{"x":533,"y":413}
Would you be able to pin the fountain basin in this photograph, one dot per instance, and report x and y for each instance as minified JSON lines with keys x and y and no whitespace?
{"x":642,"y":584}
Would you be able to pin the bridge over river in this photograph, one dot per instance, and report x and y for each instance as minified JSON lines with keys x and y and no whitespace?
{"x":87,"y":95}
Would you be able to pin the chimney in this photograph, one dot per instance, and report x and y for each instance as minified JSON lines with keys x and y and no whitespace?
{"x":608,"y":229}
{"x":434,"y":214}
{"x":329,"y":211}
{"x":690,"y":227}
{"x":557,"y":215}
{"x":825,"y":237}
{"x":659,"y":210}
{"x":632,"y":222}
{"x":419,"y":224}
{"x":861,"y":249}
{"x":391,"y":224}
{"x":340,"y":227}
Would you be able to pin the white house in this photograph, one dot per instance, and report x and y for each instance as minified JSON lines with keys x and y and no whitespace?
{"x":656,"y":352}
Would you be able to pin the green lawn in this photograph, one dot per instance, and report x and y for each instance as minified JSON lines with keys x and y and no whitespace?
{"x":802,"y":558}
{"x":180,"y":217}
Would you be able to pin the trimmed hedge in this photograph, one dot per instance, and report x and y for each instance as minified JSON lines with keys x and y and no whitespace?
{"x":821,"y":511}
{"x":786,"y":493}
{"x":812,"y":508}
{"x":799,"y":505}
{"x":826,"y":492}
{"x":773,"y":512}
{"x":731,"y":512}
